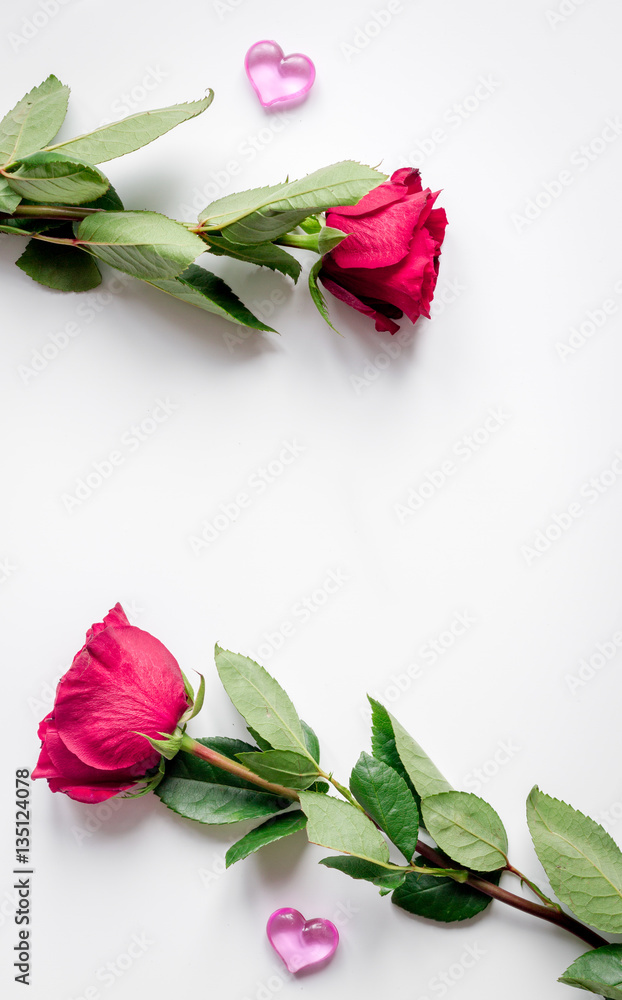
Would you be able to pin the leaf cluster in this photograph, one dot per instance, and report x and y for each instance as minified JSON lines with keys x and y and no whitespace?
{"x":394,"y":794}
{"x":55,"y":194}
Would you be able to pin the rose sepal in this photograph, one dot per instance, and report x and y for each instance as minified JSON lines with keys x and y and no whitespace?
{"x":196,"y":703}
{"x":170,"y":745}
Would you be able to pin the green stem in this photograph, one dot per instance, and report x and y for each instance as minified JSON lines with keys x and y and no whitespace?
{"x":347,"y":794}
{"x":234,"y":767}
{"x":57,"y":239}
{"x":61,"y":212}
{"x":301,"y":241}
{"x":532,"y":885}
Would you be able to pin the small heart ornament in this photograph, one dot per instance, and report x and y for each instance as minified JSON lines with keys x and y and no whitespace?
{"x":301,"y":943}
{"x":277,"y":78}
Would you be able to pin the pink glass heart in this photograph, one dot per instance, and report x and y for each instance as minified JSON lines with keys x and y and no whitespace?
{"x":275,"y":77}
{"x":299,"y":942}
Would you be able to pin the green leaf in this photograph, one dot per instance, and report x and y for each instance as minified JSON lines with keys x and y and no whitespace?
{"x":9,"y":199}
{"x":281,"y":767}
{"x":259,"y":740}
{"x":199,"y":791}
{"x":342,"y":827}
{"x":317,"y":296}
{"x":119,"y":138}
{"x":34,"y":120}
{"x":201,"y":288}
{"x":311,"y":741}
{"x":583,"y":863}
{"x":13,"y":228}
{"x":143,"y":244}
{"x":267,"y":213}
{"x":311,"y":224}
{"x":329,"y":238}
{"x":59,"y":266}
{"x":56,"y":179}
{"x":109,"y":201}
{"x":275,"y":829}
{"x":598,"y":971}
{"x":383,"y":744}
{"x":359,"y":869}
{"x":385,"y":797}
{"x":261,"y":701}
{"x":441,"y":899}
{"x":262,"y":254}
{"x":424,"y":775}
{"x":467,"y":829}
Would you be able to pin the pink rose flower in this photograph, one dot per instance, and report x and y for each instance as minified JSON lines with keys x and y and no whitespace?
{"x":388,"y":264}
{"x":122,"y":682}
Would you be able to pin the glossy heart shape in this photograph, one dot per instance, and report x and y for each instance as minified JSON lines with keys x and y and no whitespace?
{"x":299,"y":942}
{"x":277,"y":78}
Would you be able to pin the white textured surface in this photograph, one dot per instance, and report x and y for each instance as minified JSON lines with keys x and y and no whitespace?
{"x":364,"y":446}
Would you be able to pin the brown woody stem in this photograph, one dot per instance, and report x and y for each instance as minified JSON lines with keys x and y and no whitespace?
{"x":553,"y":916}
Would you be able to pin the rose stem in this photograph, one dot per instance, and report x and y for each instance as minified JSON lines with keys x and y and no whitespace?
{"x":233,"y":767}
{"x":52,"y":212}
{"x":554,"y":916}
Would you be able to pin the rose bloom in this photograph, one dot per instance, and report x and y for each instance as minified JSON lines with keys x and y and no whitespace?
{"x":388,"y":264}
{"x":121,"y":683}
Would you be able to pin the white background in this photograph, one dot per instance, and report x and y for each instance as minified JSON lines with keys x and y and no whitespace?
{"x":370,"y":429}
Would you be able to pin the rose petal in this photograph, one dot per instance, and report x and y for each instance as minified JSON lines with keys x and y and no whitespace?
{"x":116,"y":616}
{"x":380,"y":238}
{"x":436,"y":223}
{"x":382,"y":322}
{"x":410,"y":176}
{"x":84,"y":793}
{"x":123,"y":682}
{"x":408,"y":284}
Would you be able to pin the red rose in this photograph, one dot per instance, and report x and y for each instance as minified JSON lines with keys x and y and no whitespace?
{"x":388,"y":265}
{"x":122,"y":682}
